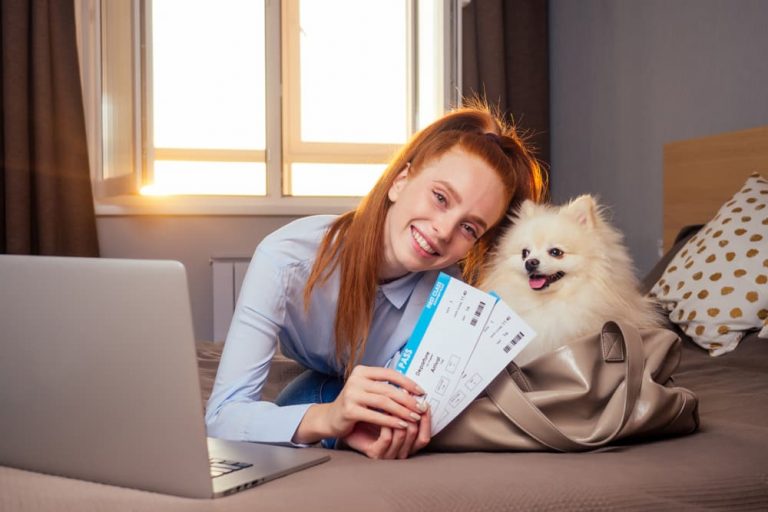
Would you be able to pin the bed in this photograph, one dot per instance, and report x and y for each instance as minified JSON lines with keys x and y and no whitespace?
{"x":722,"y":466}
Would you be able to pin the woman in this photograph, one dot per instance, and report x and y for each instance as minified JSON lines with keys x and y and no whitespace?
{"x":342,"y":294}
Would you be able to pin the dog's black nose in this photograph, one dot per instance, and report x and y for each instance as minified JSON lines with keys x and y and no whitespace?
{"x":531,"y":264}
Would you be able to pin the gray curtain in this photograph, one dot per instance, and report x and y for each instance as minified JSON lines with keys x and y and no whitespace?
{"x":46,"y":202}
{"x":505,"y":58}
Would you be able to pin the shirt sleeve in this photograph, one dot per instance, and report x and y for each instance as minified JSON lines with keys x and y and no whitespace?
{"x":235,"y":410}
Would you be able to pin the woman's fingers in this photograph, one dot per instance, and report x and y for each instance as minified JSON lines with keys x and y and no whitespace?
{"x":424,"y":434}
{"x":389,"y":383}
{"x":398,"y":440}
{"x":357,"y":404}
{"x":378,"y":448}
{"x":381,"y":418}
{"x":410,"y":435}
{"x":399,"y":395}
{"x":381,"y":400}
{"x":387,"y":375}
{"x":401,"y":443}
{"x":389,"y":443}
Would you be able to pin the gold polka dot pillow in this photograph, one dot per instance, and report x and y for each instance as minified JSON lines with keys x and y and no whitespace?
{"x":716,"y":286}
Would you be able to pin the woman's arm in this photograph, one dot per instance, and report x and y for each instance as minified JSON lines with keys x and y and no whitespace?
{"x":235,"y":410}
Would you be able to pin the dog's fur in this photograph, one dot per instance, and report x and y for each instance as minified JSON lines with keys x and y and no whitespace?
{"x":575,"y":275}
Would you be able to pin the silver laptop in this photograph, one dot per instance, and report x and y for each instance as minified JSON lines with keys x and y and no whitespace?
{"x":99,"y":381}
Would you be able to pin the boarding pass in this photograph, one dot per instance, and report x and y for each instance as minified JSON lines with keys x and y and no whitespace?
{"x":463,"y":338}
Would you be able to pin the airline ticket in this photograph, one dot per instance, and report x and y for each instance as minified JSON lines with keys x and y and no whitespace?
{"x":463,"y":338}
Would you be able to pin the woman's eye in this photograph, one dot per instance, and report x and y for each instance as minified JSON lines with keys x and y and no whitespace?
{"x":526,"y":252}
{"x":470,"y":230}
{"x":555,"y":253}
{"x":440,"y":197}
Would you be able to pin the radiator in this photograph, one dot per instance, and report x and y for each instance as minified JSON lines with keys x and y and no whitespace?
{"x":227,"y":274}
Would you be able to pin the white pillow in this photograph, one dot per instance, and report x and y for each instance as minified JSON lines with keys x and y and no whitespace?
{"x":716,"y":286}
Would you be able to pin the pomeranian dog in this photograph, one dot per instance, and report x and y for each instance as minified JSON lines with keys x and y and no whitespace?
{"x":566,"y":272}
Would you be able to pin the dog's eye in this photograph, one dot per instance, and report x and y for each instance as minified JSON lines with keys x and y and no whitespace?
{"x":526,"y":252}
{"x":555,"y":252}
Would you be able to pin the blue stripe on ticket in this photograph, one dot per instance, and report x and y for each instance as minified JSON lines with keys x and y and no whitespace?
{"x":406,"y":356}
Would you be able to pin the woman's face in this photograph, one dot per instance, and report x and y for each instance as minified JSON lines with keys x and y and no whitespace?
{"x":439,"y":213}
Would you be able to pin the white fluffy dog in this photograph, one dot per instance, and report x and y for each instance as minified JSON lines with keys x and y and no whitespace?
{"x":565,"y":271}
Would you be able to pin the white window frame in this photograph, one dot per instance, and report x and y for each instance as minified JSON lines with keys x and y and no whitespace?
{"x":119,"y":195}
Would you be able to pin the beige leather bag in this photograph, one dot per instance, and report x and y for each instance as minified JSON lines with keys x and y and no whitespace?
{"x":614,"y":385}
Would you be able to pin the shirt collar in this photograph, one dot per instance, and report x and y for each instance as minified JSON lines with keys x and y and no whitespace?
{"x":398,"y":291}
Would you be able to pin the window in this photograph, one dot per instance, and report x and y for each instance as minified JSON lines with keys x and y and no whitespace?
{"x":257,"y":105}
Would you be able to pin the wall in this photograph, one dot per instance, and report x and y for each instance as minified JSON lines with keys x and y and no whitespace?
{"x":629,"y":76}
{"x":626,"y":77}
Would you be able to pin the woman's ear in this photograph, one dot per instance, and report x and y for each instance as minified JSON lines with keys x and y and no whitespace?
{"x":400,"y":180}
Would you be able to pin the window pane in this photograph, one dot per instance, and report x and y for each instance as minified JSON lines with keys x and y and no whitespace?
{"x":207,"y":178}
{"x":333,"y":179}
{"x":208,"y":74}
{"x":353,"y":66}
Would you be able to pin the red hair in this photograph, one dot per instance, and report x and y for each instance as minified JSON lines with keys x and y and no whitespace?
{"x":354,"y":242}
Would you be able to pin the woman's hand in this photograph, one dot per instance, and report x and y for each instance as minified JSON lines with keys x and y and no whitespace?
{"x":386,"y":443}
{"x":369,"y":396}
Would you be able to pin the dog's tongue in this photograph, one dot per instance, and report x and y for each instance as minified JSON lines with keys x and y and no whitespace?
{"x":537,"y":282}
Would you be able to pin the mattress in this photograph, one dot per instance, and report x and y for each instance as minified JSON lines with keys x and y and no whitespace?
{"x":722,"y":466}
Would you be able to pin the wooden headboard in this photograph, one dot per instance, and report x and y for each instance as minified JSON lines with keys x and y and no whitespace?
{"x":701,"y":174}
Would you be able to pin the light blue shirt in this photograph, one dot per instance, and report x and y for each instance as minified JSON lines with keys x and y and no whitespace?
{"x":271,"y":307}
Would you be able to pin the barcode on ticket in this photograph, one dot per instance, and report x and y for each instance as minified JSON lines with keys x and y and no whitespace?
{"x":478,"y":312}
{"x":514,"y":341}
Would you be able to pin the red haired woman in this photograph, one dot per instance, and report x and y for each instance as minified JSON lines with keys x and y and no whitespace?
{"x":342,"y":294}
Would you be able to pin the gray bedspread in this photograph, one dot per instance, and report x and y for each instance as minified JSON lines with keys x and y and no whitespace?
{"x":724,"y":466}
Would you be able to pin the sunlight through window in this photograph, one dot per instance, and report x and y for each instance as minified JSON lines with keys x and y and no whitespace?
{"x":207,"y":178}
{"x":334,"y":179}
{"x":208,"y":74}
{"x":354,"y":63}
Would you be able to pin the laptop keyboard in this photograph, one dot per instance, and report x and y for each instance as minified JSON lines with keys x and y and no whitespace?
{"x":221,"y":467}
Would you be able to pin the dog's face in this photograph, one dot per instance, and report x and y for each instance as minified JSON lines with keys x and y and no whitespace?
{"x":553,"y":248}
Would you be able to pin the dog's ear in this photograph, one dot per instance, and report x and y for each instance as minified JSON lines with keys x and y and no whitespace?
{"x":583,"y":209}
{"x":526,"y":209}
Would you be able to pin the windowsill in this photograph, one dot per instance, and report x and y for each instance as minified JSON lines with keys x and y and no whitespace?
{"x":222,"y":205}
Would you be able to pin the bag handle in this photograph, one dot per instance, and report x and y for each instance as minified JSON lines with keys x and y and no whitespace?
{"x":620,"y":342}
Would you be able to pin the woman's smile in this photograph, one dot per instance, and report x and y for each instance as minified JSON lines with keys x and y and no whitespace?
{"x":422,"y":244}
